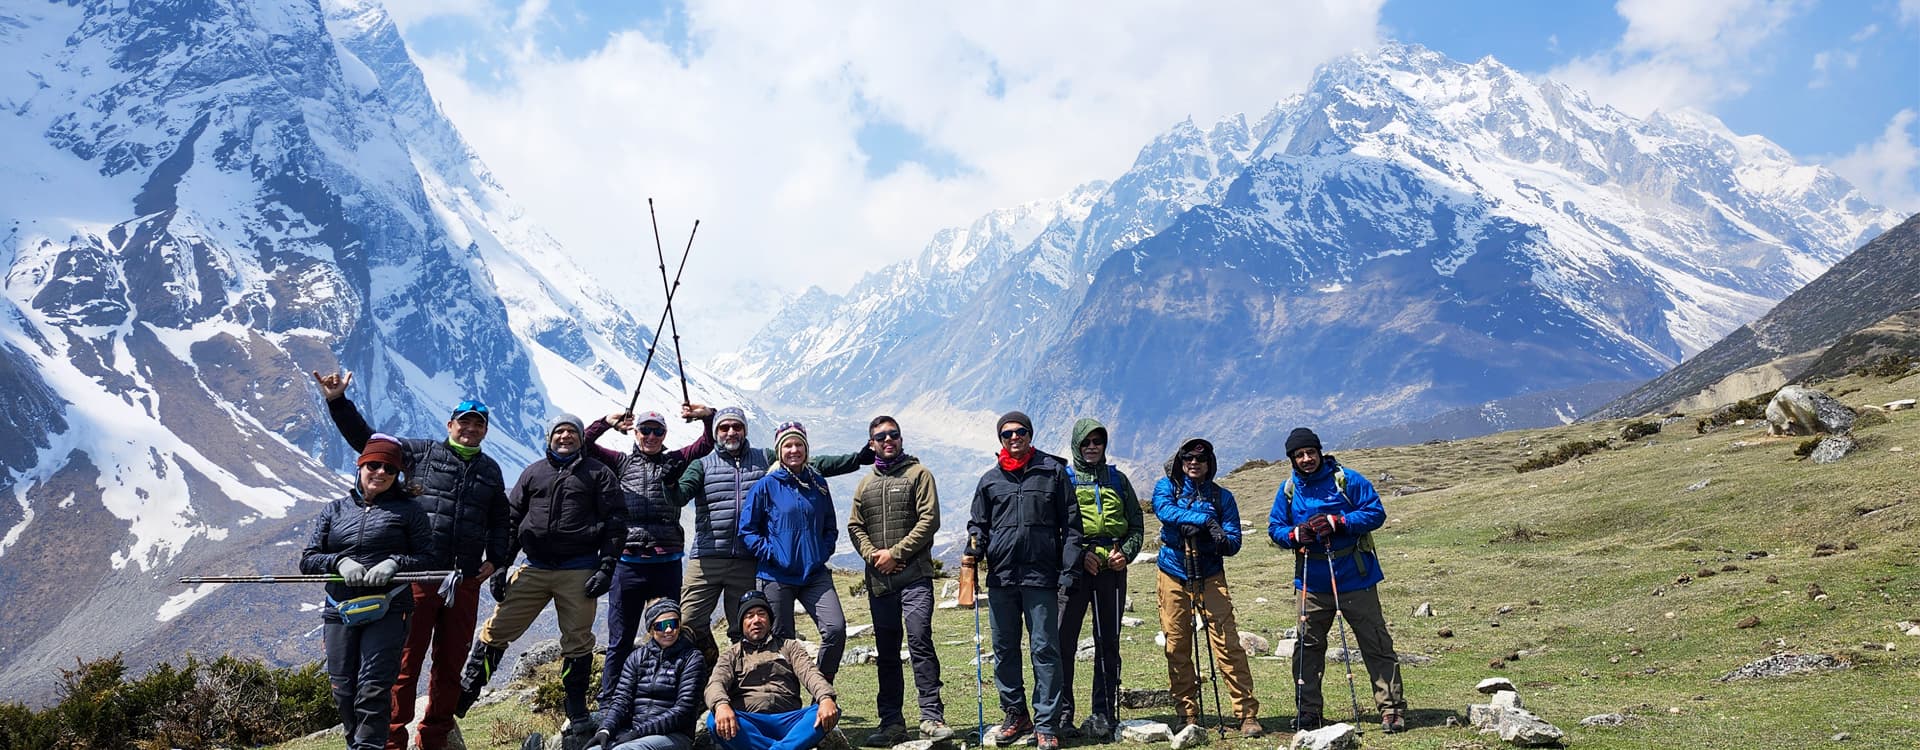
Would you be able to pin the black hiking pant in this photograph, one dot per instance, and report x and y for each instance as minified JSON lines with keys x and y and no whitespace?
{"x":1105,"y":594}
{"x":362,"y":662}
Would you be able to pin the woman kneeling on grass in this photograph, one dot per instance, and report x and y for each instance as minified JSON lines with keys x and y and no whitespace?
{"x":657,"y":698}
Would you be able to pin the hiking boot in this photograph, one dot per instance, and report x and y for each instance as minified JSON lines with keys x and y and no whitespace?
{"x":934,"y":729}
{"x":1250,"y":727}
{"x":835,"y":740}
{"x":887,"y":736}
{"x":1392,"y":723}
{"x":577,"y":732}
{"x":1307,"y":722}
{"x":1014,"y":729}
{"x":1100,"y":728}
{"x":1046,"y":742}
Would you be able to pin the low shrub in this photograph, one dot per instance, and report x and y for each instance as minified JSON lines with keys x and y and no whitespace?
{"x":1888,"y":366}
{"x":1563,"y":453}
{"x":1636,"y":430}
{"x":229,"y":702}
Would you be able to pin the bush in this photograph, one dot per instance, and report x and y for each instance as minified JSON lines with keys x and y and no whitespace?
{"x":1637,"y":430}
{"x":1888,"y":366}
{"x":1746,"y":408}
{"x":1806,"y":447}
{"x":1253,"y":463}
{"x":1563,"y":453}
{"x":227,"y":702}
{"x":1870,"y":417}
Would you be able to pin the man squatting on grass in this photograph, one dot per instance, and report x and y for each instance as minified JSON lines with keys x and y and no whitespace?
{"x":755,"y":688}
{"x":461,"y":489}
{"x":1326,"y":513}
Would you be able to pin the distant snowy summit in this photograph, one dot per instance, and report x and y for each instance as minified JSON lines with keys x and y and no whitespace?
{"x":1410,"y":235}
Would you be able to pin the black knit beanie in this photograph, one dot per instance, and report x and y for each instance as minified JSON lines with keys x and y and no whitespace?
{"x":1301,"y":437}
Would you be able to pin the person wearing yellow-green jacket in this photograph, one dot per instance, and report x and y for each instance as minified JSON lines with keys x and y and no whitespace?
{"x":1112,"y":529}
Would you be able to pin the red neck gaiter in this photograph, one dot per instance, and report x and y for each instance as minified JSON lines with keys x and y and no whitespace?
{"x":1009,"y":463}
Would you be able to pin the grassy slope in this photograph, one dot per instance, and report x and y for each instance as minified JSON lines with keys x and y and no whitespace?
{"x":1587,"y":554}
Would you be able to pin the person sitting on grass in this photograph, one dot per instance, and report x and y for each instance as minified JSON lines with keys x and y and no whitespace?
{"x":755,"y":689}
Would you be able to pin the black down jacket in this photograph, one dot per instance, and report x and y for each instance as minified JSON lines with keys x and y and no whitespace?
{"x":466,"y":501}
{"x":391,"y":526}
{"x":658,"y":693}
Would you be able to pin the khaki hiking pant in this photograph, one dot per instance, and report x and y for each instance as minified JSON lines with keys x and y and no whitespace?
{"x":716,"y":581}
{"x":528,"y":591}
{"x":1176,"y":620}
{"x":1369,"y":630}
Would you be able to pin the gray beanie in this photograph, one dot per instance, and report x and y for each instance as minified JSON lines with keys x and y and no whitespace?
{"x":560,"y":419}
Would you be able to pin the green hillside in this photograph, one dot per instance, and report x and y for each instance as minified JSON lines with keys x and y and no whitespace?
{"x":1625,"y":588}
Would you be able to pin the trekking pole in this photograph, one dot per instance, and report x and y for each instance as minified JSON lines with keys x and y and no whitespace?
{"x":669,"y":289}
{"x":968,"y":597}
{"x":663,"y":321}
{"x":1340,"y":617}
{"x":410,"y":577}
{"x":1300,"y":638}
{"x":1206,"y":628}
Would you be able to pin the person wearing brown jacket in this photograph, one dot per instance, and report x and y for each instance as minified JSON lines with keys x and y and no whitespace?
{"x":896,"y":512}
{"x":754,"y":692}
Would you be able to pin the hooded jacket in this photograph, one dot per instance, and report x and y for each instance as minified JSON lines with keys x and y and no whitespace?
{"x":465,"y":499}
{"x":390,"y":526}
{"x":1025,"y":524}
{"x":1183,"y":506}
{"x":788,"y":525}
{"x":898,"y":511}
{"x":659,"y":688}
{"x":1356,"y":566}
{"x":1110,"y":515}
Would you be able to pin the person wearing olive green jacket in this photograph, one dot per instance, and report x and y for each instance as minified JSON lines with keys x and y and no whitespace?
{"x":1113,"y":526}
{"x":896,"y":512}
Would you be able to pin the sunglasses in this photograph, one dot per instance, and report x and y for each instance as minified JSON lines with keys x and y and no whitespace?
{"x":885,"y":435}
{"x":1093,"y":441}
{"x":729,"y":427}
{"x":380,"y":467}
{"x":666,"y":626}
{"x":1196,"y":458}
{"x":1014,"y":433}
{"x":652,"y":431}
{"x":470,"y":407}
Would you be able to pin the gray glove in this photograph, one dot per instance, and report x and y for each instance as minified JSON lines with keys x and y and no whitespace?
{"x":382,"y":572}
{"x":351,"y":571}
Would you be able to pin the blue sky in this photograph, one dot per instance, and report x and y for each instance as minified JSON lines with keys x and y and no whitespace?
{"x":820,"y":142}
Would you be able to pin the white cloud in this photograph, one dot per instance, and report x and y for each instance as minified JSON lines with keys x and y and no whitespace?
{"x":1910,"y":11}
{"x":1887,"y":169}
{"x":1824,"y":64}
{"x":408,"y":13}
{"x":1680,"y":54}
{"x":755,"y":131}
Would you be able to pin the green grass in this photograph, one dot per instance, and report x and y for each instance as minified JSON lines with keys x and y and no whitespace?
{"x":1588,"y":554}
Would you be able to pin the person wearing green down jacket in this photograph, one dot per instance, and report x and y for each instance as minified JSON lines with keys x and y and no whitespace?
{"x":789,"y":525}
{"x":1111,"y":529}
{"x":368,"y":536}
{"x":1326,"y":513}
{"x":896,"y":513}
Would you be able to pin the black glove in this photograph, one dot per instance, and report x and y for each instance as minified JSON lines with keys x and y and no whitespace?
{"x":1327,"y":525}
{"x":498,"y":585}
{"x":601,"y":581}
{"x":1217,"y":534}
{"x":1191,"y":532}
{"x":1303,"y":535}
{"x":866,"y":455}
{"x":602,"y":739}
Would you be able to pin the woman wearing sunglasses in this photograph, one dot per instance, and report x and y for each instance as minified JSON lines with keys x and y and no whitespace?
{"x":368,"y":536}
{"x":658,"y":696}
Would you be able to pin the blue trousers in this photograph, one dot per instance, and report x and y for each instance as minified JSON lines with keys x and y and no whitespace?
{"x":1040,"y":608}
{"x":793,"y":730}
{"x":634,"y":586}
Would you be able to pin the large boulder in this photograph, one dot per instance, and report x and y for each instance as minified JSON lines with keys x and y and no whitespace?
{"x":1799,"y":410}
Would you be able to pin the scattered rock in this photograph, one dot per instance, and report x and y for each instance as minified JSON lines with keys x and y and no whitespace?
{"x":1129,"y":605}
{"x":1841,"y":737}
{"x":1285,"y":646}
{"x":1799,"y":410}
{"x":1445,"y":633}
{"x":1493,"y":685}
{"x":1604,"y":720}
{"x":1506,"y":699}
{"x":859,"y":655}
{"x":1259,"y":600}
{"x":1525,"y":729}
{"x":1414,"y":660}
{"x":337,"y":730}
{"x":1424,"y":610}
{"x":1779,"y":665}
{"x":1814,"y":592}
{"x":949,"y":604}
{"x":950,"y":589}
{"x":921,"y":745}
{"x":1190,"y":735}
{"x":1344,"y":656}
{"x":1144,"y":698}
{"x":1143,"y":731}
{"x":1160,"y":639}
{"x":1497,"y":664}
{"x":1131,"y":622}
{"x":1146,"y":557}
{"x":859,"y":630}
{"x":1483,"y":717}
{"x":1700,"y":485}
{"x":1254,"y":643}
{"x":1084,"y":651}
{"x":1341,"y":736}
{"x":490,"y":697}
{"x":1833,"y":448}
{"x":1749,"y":622}
{"x":536,"y":655}
{"x":1901,"y":405}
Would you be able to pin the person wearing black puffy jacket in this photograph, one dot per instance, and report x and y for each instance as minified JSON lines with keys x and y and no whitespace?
{"x":368,"y":536}
{"x":657,"y":697}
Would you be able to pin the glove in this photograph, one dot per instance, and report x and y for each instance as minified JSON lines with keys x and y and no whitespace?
{"x":1327,"y":525}
{"x":1191,"y":532}
{"x":352,"y":571}
{"x":382,"y":572}
{"x":1303,"y":535}
{"x":1217,"y":534}
{"x":498,"y":585}
{"x":866,"y":455}
{"x":602,"y":739}
{"x":600,"y":582}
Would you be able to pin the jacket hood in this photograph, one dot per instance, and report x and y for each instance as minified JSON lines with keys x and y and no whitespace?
{"x":1173,"y":463}
{"x":1081,"y":429}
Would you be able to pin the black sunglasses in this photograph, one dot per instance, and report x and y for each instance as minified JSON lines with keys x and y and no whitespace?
{"x":1014,"y":433}
{"x":1093,"y":441}
{"x":885,"y":435}
{"x":381,"y":467}
{"x":652,"y":431}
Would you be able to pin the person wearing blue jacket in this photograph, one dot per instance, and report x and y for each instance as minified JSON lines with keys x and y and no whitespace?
{"x":1326,"y":514}
{"x":789,"y":525}
{"x":1199,"y":529}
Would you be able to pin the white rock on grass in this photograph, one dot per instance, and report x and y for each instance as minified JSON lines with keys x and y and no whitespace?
{"x":1424,"y":610}
{"x":1284,"y":648}
{"x":1341,"y":736}
{"x":859,"y":630}
{"x":917,"y":745}
{"x":1506,"y":699}
{"x":1253,"y":642}
{"x":1493,"y":685}
{"x":1190,"y":735}
{"x":1604,"y":720}
{"x":1523,"y":728}
{"x":1160,"y":639}
{"x":1131,"y":622}
{"x":1144,"y":731}
{"x":1483,"y":717}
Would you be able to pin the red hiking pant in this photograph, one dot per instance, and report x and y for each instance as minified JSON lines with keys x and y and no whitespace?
{"x":448,"y":632}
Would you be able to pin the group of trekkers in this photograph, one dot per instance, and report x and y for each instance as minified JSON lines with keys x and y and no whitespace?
{"x":1056,"y":535}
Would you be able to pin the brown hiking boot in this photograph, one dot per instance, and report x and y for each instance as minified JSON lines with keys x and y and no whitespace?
{"x":1392,"y":723}
{"x":1250,"y":727}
